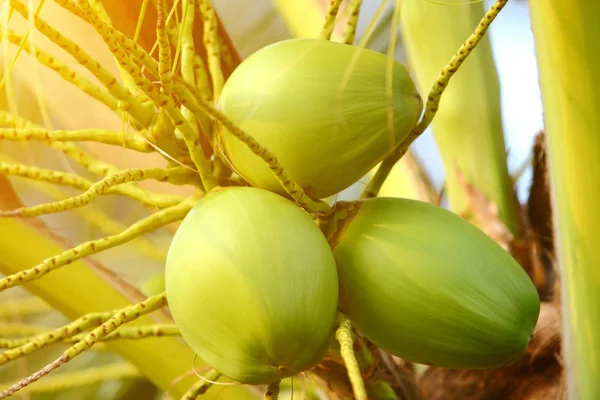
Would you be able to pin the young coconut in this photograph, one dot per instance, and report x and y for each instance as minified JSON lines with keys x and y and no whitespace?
{"x":252,"y":284}
{"x":426,"y":285}
{"x":328,"y":111}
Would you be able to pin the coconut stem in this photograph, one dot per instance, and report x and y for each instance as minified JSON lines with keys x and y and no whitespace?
{"x":200,"y":387}
{"x":23,"y":346}
{"x":434,"y":97}
{"x":84,"y":377}
{"x":465,"y":144}
{"x":102,"y":187}
{"x":344,"y":336}
{"x":330,"y":17}
{"x":272,"y":392}
{"x":146,"y":225}
{"x":18,"y":348}
{"x":119,"y":318}
{"x":354,"y":12}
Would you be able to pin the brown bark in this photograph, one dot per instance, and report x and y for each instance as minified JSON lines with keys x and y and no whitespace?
{"x":539,"y":212}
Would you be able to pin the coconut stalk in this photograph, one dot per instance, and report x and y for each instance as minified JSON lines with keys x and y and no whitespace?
{"x":467,"y":127}
{"x":568,"y":56}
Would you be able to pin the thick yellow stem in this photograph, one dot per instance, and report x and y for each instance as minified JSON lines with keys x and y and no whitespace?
{"x":566,"y":35}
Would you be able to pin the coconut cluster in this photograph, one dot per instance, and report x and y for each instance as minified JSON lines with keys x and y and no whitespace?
{"x":255,"y":285}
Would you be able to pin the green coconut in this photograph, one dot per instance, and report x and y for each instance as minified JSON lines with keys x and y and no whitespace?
{"x":328,"y":111}
{"x":252,"y":284}
{"x":428,"y":286}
